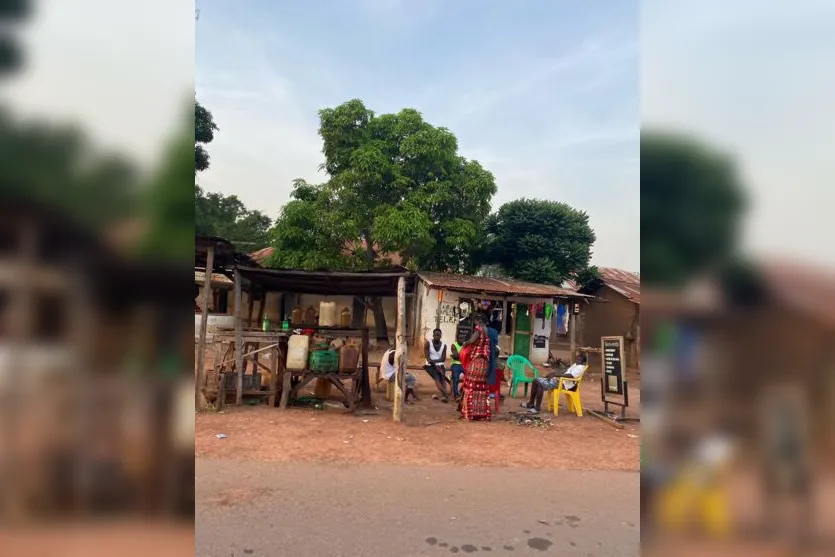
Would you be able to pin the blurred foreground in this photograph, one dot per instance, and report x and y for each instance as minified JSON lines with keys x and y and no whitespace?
{"x":738,"y":372}
{"x":96,"y":390}
{"x":739,"y":413}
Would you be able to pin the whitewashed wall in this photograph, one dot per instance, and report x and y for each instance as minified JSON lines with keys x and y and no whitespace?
{"x":540,"y":355}
{"x":427,"y":302}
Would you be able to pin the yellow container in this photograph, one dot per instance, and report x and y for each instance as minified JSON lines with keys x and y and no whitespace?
{"x":297,"y":351}
{"x":327,"y":314}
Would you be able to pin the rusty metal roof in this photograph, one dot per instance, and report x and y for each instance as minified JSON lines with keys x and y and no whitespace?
{"x":806,"y":288}
{"x":624,"y":283}
{"x":501,"y":286}
{"x":217,"y":278}
{"x":262,"y":254}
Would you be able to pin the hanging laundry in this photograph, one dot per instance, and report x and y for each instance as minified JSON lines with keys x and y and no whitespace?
{"x":562,"y":322}
{"x":549,"y":311}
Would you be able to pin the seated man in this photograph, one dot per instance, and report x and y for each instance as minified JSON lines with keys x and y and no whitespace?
{"x":389,"y":373}
{"x":551,"y":381}
{"x":435,"y":351}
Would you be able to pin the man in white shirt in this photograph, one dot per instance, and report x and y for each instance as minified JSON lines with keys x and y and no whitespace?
{"x":389,"y":372}
{"x":435,"y":351}
{"x":550,"y":382}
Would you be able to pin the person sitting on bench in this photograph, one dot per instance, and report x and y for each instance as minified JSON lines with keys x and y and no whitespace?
{"x":390,"y":372}
{"x":551,"y":381}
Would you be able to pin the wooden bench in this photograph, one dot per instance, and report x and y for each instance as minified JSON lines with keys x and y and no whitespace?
{"x":379,"y":379}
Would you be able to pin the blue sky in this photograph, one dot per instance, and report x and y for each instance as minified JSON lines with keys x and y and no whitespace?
{"x":545,"y":94}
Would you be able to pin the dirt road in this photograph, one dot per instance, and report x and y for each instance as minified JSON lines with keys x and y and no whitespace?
{"x":274,"y":509}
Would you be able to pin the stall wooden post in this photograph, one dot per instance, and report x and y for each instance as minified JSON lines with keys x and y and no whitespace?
{"x":275,"y":353}
{"x":204,"y":322}
{"x":239,"y":341}
{"x":365,"y":378}
{"x":400,"y":352}
{"x":572,"y":329}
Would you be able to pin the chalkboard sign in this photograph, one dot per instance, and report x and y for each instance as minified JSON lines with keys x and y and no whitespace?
{"x":464,"y":330}
{"x":539,"y":341}
{"x":613,"y":380}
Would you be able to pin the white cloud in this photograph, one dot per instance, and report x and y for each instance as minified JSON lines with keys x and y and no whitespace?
{"x":124,"y":73}
{"x":755,"y":78}
{"x":268,"y":132}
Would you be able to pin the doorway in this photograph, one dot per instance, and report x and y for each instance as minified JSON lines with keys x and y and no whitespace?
{"x":522,"y":334}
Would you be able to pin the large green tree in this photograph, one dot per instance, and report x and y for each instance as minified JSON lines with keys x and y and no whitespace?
{"x":204,"y":133}
{"x":56,"y":165}
{"x":11,"y":12}
{"x":226,"y":216}
{"x":396,"y":184}
{"x":691,"y":204}
{"x":539,"y":241}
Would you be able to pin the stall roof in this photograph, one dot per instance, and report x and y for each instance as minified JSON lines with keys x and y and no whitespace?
{"x":226,"y":256}
{"x":497,"y":286}
{"x":378,"y":282}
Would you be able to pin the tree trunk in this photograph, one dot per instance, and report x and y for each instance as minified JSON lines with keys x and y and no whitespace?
{"x":375,"y":302}
{"x":379,"y":321}
{"x":358,"y":313}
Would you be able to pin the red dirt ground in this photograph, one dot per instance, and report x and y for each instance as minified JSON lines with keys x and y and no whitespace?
{"x":430,"y":435}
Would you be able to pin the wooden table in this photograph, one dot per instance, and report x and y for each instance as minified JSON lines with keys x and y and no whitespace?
{"x":276,"y":344}
{"x":295,"y":380}
{"x":292,"y":381}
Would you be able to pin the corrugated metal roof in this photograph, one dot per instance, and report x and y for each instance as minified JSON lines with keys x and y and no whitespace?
{"x":625,"y":283}
{"x":200,"y":276}
{"x":262,"y":254}
{"x":503,"y":286}
{"x":808,"y":289}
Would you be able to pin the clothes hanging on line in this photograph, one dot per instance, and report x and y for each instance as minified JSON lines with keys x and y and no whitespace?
{"x":562,"y":319}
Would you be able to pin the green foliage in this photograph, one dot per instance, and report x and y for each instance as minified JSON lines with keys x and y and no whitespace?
{"x":204,"y":133}
{"x":226,"y":216}
{"x":539,"y":241}
{"x":588,"y":278}
{"x":167,"y":204}
{"x":396,"y":183}
{"x":691,"y":204}
{"x":11,"y":12}
{"x":310,"y":233}
{"x":55,"y":165}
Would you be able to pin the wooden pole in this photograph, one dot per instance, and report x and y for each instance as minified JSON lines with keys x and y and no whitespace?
{"x":365,"y":379}
{"x":239,"y":339}
{"x":572,"y":329}
{"x":438,"y":311}
{"x":204,"y":323}
{"x":400,"y":353}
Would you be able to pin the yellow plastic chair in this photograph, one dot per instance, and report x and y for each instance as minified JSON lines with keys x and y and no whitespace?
{"x":572,"y":398}
{"x":687,"y":498}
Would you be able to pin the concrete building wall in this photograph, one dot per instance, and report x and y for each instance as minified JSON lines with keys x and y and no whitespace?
{"x":614,"y":316}
{"x":426,"y":305}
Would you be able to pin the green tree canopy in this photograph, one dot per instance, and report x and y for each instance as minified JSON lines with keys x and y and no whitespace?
{"x":11,"y":12}
{"x":691,"y":204}
{"x":396,"y":184}
{"x":204,"y":133}
{"x":539,"y":241}
{"x":226,"y":216}
{"x":56,"y":165}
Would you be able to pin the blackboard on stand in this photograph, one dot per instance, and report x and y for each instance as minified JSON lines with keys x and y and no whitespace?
{"x":613,"y":384}
{"x":464,"y":330}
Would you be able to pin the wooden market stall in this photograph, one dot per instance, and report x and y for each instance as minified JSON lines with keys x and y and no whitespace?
{"x":241,"y":353}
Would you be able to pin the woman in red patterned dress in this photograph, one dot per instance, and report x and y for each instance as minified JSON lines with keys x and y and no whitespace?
{"x":475,"y":397}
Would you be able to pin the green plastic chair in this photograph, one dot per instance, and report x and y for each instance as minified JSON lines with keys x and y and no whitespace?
{"x":517,"y":365}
